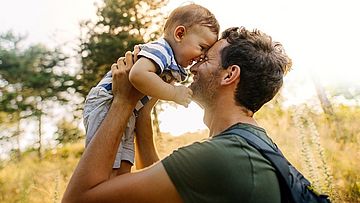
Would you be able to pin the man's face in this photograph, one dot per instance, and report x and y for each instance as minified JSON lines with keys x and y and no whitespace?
{"x":207,"y":75}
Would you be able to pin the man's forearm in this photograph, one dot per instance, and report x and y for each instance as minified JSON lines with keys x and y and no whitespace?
{"x":95,"y":165}
{"x":146,"y":153}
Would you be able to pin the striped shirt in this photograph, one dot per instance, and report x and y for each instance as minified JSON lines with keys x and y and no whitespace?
{"x":162,"y":55}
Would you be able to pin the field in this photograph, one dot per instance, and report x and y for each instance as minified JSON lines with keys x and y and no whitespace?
{"x":325,"y":148}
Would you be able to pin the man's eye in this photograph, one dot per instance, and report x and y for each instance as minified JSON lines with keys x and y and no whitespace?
{"x":203,"y":59}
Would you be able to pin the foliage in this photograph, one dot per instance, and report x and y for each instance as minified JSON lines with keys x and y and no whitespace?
{"x":30,"y":77}
{"x":68,"y":132}
{"x":316,"y":137}
{"x":121,"y":24}
{"x":348,"y":91}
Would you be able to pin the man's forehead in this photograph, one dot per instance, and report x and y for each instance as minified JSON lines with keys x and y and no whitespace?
{"x":218,"y":46}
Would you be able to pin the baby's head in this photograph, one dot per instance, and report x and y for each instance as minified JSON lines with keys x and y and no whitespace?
{"x":191,"y":30}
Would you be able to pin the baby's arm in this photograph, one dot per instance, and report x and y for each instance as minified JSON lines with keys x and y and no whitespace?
{"x":144,"y":78}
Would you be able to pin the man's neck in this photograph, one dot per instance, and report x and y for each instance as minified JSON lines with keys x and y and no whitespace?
{"x":221,"y":118}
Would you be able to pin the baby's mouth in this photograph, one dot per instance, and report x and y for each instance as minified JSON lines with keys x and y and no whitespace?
{"x":192,"y":77}
{"x":192,"y":62}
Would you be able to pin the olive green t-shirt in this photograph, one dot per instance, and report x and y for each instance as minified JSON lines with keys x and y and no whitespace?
{"x":223,"y":169}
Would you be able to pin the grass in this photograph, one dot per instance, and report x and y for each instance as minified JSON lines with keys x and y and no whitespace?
{"x":326,"y":153}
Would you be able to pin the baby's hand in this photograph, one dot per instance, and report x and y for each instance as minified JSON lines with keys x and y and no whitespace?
{"x":182,"y":95}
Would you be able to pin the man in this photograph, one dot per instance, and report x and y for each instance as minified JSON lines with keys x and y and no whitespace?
{"x":240,"y":73}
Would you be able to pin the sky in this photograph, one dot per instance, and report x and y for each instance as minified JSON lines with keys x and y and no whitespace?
{"x":321,"y":37}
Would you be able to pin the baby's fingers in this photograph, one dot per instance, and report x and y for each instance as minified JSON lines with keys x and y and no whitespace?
{"x":190,"y":92}
{"x":187,"y":102}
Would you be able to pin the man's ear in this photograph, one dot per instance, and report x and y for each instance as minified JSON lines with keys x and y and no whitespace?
{"x":179,"y":33}
{"x":231,"y":75}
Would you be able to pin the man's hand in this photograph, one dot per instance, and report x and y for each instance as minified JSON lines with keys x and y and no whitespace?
{"x":182,"y":95}
{"x":121,"y":86}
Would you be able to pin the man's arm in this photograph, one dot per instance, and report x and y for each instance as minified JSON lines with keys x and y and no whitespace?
{"x":146,"y":153}
{"x":91,"y":179}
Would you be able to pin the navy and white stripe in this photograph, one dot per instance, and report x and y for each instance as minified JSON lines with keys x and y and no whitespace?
{"x":161,"y":53}
{"x":106,"y":81}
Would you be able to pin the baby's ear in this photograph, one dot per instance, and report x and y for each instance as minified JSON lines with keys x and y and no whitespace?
{"x":179,"y":33}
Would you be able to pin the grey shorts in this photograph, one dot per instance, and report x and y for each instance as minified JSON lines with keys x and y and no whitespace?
{"x":96,"y":106}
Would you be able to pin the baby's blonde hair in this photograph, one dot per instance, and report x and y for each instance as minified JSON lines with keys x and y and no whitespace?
{"x":190,"y":15}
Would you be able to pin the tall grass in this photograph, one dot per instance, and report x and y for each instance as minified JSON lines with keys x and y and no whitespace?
{"x":327,"y":153}
{"x":313,"y":153}
{"x":32,"y":180}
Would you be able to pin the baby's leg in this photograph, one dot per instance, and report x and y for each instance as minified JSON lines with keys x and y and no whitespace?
{"x":122,"y":166}
{"x":96,"y":106}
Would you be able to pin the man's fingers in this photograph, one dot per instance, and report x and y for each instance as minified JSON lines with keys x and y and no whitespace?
{"x":128,"y":59}
{"x":114,"y":67}
{"x":136,"y":51}
{"x":120,"y":64}
{"x":121,"y":60}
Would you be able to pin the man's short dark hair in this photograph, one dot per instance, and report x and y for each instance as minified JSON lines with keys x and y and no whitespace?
{"x":262,"y":62}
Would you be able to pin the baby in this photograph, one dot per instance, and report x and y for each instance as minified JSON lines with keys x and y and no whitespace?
{"x":189,"y":32}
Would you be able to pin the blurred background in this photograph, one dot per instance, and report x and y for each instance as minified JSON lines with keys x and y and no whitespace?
{"x":52,"y":52}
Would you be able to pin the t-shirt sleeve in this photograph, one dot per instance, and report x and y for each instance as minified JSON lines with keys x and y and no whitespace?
{"x":158,"y":53}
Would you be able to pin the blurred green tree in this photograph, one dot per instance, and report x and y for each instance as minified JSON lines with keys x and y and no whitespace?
{"x":68,"y":132}
{"x":31,"y":78}
{"x":121,"y":24}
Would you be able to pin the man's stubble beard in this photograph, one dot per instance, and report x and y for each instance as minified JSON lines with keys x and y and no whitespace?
{"x":205,"y":89}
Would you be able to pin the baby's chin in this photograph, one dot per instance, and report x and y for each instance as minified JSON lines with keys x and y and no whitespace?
{"x":187,"y":64}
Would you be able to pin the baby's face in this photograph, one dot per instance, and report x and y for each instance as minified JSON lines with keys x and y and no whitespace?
{"x":197,"y":40}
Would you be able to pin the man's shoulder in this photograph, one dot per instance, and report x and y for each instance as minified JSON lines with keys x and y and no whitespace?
{"x":251,"y":129}
{"x":210,"y":159}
